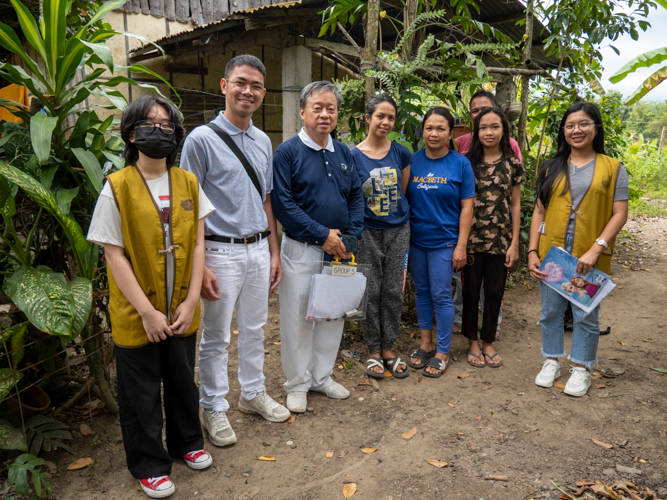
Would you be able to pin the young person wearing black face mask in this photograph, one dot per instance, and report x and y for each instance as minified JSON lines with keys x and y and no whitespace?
{"x":150,"y":219}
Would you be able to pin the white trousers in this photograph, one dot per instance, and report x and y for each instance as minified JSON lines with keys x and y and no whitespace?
{"x":308,"y":348}
{"x":243,"y":273}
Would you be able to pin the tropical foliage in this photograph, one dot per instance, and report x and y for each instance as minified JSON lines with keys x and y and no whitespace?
{"x":51,"y":172}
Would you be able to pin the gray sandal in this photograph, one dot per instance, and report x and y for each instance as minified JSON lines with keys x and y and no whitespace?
{"x":393,"y":363}
{"x":370,"y":363}
{"x":491,"y":356}
{"x":479,"y":356}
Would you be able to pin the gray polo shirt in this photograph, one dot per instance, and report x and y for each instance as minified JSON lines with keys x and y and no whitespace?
{"x":239,"y":211}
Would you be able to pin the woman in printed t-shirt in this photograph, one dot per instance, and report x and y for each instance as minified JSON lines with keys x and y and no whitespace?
{"x":441,"y":190}
{"x":381,"y":164}
{"x":493,"y":246}
{"x":582,"y":204}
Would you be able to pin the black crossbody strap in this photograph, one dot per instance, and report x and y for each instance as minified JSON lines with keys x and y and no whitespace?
{"x":239,"y":154}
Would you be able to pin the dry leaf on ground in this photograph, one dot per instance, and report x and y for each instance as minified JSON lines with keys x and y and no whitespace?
{"x":276,"y":343}
{"x":349,"y":478}
{"x":235,"y":331}
{"x":419,"y":380}
{"x":266,"y":458}
{"x":584,"y":482}
{"x":349,"y":489}
{"x":368,"y":450}
{"x":80,"y":464}
{"x":409,"y":434}
{"x":497,"y":478}
{"x":600,"y":386}
{"x":450,"y":404}
{"x":620,"y":342}
{"x":411,"y":335}
{"x":84,"y":429}
{"x":438,"y":463}
{"x":291,"y":419}
{"x":388,"y":374}
{"x":601,"y":443}
{"x":487,"y":388}
{"x":478,"y":417}
{"x":464,"y":375}
{"x":559,"y":385}
{"x":329,"y":454}
{"x":598,"y":489}
{"x":364,"y":383}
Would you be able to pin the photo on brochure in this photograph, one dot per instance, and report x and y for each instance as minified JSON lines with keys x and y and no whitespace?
{"x":584,"y":291}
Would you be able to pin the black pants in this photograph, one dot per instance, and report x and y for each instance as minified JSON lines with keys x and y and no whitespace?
{"x":140,"y":372}
{"x":490,"y":268}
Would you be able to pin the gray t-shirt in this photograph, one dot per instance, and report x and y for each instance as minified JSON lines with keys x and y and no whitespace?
{"x":239,"y":211}
{"x":580,"y":180}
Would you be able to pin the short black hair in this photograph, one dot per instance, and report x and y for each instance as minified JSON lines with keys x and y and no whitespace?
{"x":447,"y":115}
{"x":484,"y":93}
{"x":375,"y":101}
{"x":139,"y":110}
{"x":245,"y":60}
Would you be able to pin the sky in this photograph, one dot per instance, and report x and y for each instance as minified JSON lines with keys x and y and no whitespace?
{"x":652,"y":38}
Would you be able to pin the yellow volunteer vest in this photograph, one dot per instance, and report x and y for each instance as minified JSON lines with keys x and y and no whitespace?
{"x":592,"y":214}
{"x":143,"y":236}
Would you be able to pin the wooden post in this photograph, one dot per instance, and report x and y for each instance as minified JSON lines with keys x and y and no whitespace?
{"x":662,"y":138}
{"x":525,"y":79}
{"x":370,"y":51}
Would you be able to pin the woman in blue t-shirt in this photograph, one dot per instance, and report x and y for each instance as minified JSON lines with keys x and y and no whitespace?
{"x":381,"y":164}
{"x":441,"y":191}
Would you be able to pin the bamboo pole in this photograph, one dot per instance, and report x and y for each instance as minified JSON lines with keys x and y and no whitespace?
{"x":525,"y":78}
{"x":370,"y":52}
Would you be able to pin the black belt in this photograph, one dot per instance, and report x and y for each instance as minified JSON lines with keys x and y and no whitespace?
{"x":246,"y":240}
{"x":295,"y":239}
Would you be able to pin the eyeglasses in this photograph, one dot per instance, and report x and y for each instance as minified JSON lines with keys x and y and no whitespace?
{"x":241,"y":86}
{"x":585,"y":125}
{"x":167,"y":127}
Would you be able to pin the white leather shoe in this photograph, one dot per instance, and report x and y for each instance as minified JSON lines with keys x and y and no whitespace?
{"x":297,"y":401}
{"x":220,"y":432}
{"x":550,"y":371}
{"x":264,"y":405}
{"x":335,"y":391}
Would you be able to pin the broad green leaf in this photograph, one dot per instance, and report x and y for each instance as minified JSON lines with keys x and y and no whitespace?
{"x":41,"y":129}
{"x":645,"y":60}
{"x":64,"y":198}
{"x":45,"y":199}
{"x":105,"y":9}
{"x":68,"y":64}
{"x":82,"y":291}
{"x":55,"y":26}
{"x":7,"y":381}
{"x":46,"y":175}
{"x":10,"y":41}
{"x":647,"y":85}
{"x":11,"y":438}
{"x":102,"y":51}
{"x":92,"y":167}
{"x":29,"y":28}
{"x":118,"y":161}
{"x":139,"y":68}
{"x":17,"y":75}
{"x":44,"y":297}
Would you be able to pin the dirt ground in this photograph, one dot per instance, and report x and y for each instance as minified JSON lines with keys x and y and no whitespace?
{"x":495,"y":422}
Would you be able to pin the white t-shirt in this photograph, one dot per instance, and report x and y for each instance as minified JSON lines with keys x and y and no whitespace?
{"x":105,"y":226}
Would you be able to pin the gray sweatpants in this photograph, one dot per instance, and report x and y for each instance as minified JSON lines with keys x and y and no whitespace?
{"x":386,"y":251}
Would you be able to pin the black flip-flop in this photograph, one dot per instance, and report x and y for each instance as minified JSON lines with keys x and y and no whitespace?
{"x":438,"y":363}
{"x":393,"y":363}
{"x":422,"y":355}
{"x":491,"y":356}
{"x":370,"y":363}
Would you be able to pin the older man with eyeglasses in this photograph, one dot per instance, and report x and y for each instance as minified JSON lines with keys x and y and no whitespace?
{"x":233,"y":161}
{"x":318,"y":197}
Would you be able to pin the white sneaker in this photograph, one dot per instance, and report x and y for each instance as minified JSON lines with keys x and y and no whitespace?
{"x":157,"y":487}
{"x":335,"y":391}
{"x":297,"y":401}
{"x":220,"y":432}
{"x":579,"y":382}
{"x":264,"y":405}
{"x":550,"y":371}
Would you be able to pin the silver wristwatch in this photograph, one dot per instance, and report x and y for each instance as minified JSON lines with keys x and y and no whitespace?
{"x":602,"y":243}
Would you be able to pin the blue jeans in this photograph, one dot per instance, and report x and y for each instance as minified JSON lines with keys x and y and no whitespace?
{"x":431,"y":273}
{"x":586,"y":326}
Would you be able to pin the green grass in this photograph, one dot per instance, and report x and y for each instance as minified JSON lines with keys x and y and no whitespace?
{"x":648,"y":208}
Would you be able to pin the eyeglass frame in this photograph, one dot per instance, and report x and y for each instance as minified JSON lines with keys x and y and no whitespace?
{"x":159,"y":125}
{"x":587,"y":125}
{"x":236,"y":84}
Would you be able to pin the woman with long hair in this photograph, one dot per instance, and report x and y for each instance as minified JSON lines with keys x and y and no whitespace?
{"x":441,"y":189}
{"x":581,"y":205}
{"x":382,"y":165}
{"x":493,"y":245}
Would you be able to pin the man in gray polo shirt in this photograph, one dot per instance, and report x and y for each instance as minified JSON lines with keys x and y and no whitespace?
{"x":242,"y":254}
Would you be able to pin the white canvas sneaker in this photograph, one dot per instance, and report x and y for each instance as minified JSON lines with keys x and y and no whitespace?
{"x":297,"y":401}
{"x":220,"y":432}
{"x":550,"y":371}
{"x":157,"y":487}
{"x":335,"y":391}
{"x":264,"y":405}
{"x":579,"y":382}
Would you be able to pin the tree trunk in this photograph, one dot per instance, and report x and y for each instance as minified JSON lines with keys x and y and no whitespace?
{"x":409,"y":15}
{"x":370,"y":52}
{"x":96,"y":369}
{"x":525,"y":79}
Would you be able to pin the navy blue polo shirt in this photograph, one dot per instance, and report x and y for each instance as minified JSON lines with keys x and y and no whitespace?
{"x":315,"y":190}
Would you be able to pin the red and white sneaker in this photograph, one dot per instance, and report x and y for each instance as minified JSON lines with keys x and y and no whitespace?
{"x":157,"y":487}
{"x":198,"y":460}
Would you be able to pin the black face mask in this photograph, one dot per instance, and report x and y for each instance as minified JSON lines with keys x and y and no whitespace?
{"x":154,"y":142}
